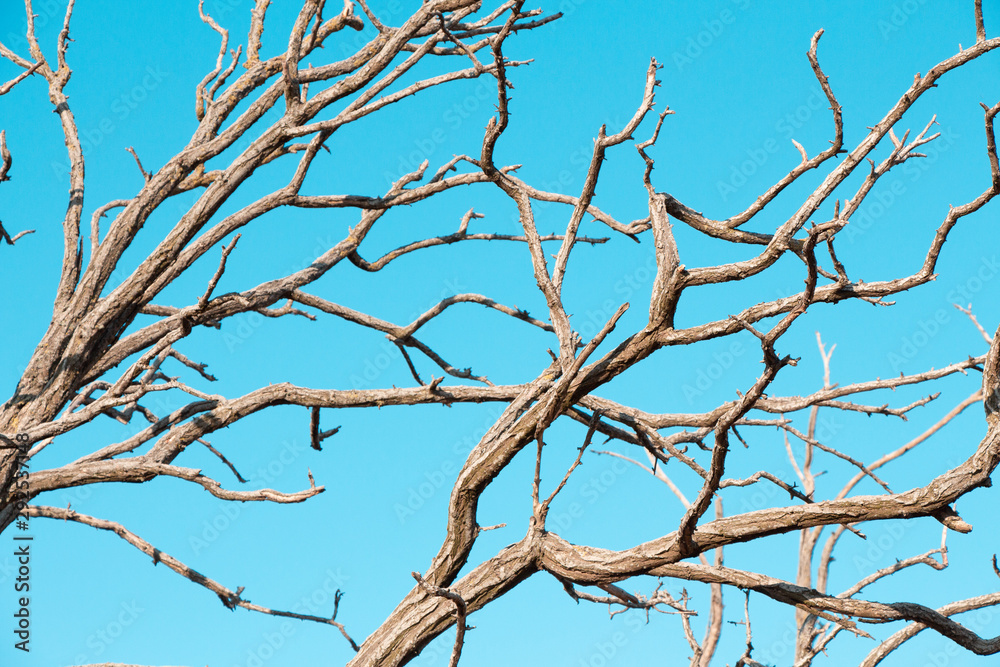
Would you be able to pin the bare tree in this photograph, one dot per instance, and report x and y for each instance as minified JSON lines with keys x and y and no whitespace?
{"x":98,"y":358}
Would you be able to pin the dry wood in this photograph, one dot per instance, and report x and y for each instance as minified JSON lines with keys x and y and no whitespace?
{"x":98,"y":359}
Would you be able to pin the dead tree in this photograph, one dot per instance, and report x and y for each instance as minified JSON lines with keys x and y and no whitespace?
{"x":98,"y":359}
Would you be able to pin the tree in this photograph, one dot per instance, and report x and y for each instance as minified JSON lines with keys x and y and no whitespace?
{"x":112,"y":342}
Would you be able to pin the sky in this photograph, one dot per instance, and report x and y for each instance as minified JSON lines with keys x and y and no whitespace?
{"x":736,"y":75}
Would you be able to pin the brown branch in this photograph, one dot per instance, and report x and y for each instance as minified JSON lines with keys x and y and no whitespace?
{"x":716,"y":470}
{"x":980,"y":26}
{"x":542,"y":510}
{"x":256,"y":32}
{"x":95,"y":222}
{"x":67,"y":383}
{"x":230,"y":599}
{"x":11,"y":240}
{"x":895,"y":641}
{"x":222,"y":458}
{"x":7,"y":87}
{"x":203,"y":299}
{"x":602,"y":143}
{"x":746,"y":659}
{"x":448,"y":239}
{"x":145,"y":174}
{"x":316,"y":435}
{"x":202,"y":97}
{"x":576,"y":564}
{"x":972,"y":318}
{"x":461,"y":610}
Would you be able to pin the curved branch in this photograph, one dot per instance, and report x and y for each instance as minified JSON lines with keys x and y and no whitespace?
{"x":231,"y":599}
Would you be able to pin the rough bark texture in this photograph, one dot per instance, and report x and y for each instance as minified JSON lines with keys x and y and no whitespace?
{"x":84,"y":366}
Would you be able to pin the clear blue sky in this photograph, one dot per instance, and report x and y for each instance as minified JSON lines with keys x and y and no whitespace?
{"x":736,"y":74}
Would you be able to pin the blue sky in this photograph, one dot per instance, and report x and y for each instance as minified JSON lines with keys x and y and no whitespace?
{"x":736,"y":74}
